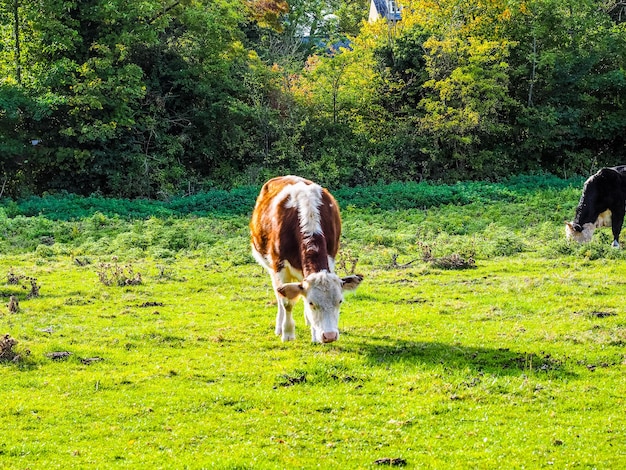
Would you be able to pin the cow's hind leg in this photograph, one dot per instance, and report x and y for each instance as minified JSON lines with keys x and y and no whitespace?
{"x":617,"y":219}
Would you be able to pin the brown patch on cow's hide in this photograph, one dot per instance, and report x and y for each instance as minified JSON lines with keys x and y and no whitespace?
{"x":604,"y":219}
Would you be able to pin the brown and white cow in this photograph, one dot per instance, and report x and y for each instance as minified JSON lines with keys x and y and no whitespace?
{"x":295,"y":230}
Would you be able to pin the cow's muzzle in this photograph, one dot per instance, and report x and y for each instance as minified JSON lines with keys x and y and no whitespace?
{"x":329,"y":337}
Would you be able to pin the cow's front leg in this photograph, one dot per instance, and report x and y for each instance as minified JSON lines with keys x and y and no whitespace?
{"x":314,"y":337}
{"x":288,"y":324}
{"x":285,"y":325}
{"x":280,"y":316}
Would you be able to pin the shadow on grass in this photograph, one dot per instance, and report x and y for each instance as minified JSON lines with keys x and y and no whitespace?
{"x":496,"y":361}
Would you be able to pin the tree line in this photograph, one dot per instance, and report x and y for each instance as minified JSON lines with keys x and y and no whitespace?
{"x":156,"y":98}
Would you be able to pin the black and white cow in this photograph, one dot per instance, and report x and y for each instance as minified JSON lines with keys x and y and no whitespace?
{"x":602,"y":204}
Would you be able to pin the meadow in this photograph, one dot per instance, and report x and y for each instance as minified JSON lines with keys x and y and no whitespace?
{"x":479,"y":338}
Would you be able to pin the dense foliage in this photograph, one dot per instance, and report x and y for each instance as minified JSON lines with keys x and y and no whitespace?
{"x":158,"y":99}
{"x":240,"y":201}
{"x":475,"y":220}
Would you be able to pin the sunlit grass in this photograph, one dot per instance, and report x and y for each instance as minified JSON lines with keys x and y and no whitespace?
{"x":516,"y":363}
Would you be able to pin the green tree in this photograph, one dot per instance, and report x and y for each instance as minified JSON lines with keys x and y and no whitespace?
{"x":466,"y":110}
{"x":137,"y":93}
{"x":568,"y":76}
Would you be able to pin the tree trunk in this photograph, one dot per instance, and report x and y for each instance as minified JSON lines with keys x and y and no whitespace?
{"x":16,"y":33}
{"x":533,"y":73}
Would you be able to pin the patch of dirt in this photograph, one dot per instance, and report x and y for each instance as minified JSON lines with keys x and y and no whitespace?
{"x":287,"y":380}
{"x":90,"y":360}
{"x":59,"y":355}
{"x":601,"y":314}
{"x":391,"y":461}
{"x":151,"y":304}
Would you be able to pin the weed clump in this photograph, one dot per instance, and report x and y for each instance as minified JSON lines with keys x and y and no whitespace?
{"x":58,"y":355}
{"x":16,"y":279}
{"x":289,"y":380}
{"x":82,"y":262}
{"x":112,"y":274}
{"x":12,"y":278}
{"x":34,"y":288}
{"x":6,"y":348}
{"x":347,"y":261}
{"x":451,"y":261}
{"x":7,"y":353}
{"x":13,"y":305}
{"x":391,"y":462}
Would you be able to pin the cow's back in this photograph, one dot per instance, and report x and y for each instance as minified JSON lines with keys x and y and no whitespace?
{"x":606,"y":184}
{"x":277,"y":230}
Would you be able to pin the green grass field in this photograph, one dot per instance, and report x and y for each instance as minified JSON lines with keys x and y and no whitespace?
{"x":517,"y":361}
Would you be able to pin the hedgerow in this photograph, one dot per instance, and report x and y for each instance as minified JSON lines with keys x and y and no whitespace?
{"x":383,"y":224}
{"x":239,"y":201}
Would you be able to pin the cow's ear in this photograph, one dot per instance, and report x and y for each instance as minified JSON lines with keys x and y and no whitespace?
{"x":351,"y":282}
{"x":291,"y":290}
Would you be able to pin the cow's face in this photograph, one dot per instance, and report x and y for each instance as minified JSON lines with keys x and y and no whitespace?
{"x":584,"y":233}
{"x":579,"y":234}
{"x":323,"y":295}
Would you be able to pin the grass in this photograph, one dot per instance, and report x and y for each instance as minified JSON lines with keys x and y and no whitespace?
{"x":516,"y":363}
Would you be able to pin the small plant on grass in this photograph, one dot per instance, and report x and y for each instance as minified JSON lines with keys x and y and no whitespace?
{"x":34,"y":288}
{"x":15,"y":279}
{"x":165,"y":271}
{"x":347,"y":261}
{"x":112,"y":274}
{"x":6,"y":348}
{"x":12,"y":278}
{"x":451,"y":261}
{"x":13,"y":305}
{"x":7,"y":351}
{"x":82,"y":261}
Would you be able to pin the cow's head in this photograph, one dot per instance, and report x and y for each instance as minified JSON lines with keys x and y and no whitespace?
{"x":323,"y":295}
{"x":583,"y":233}
{"x":580,"y":234}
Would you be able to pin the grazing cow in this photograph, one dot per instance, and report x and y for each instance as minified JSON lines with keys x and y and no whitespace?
{"x":602,"y":204}
{"x":295,"y":229}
